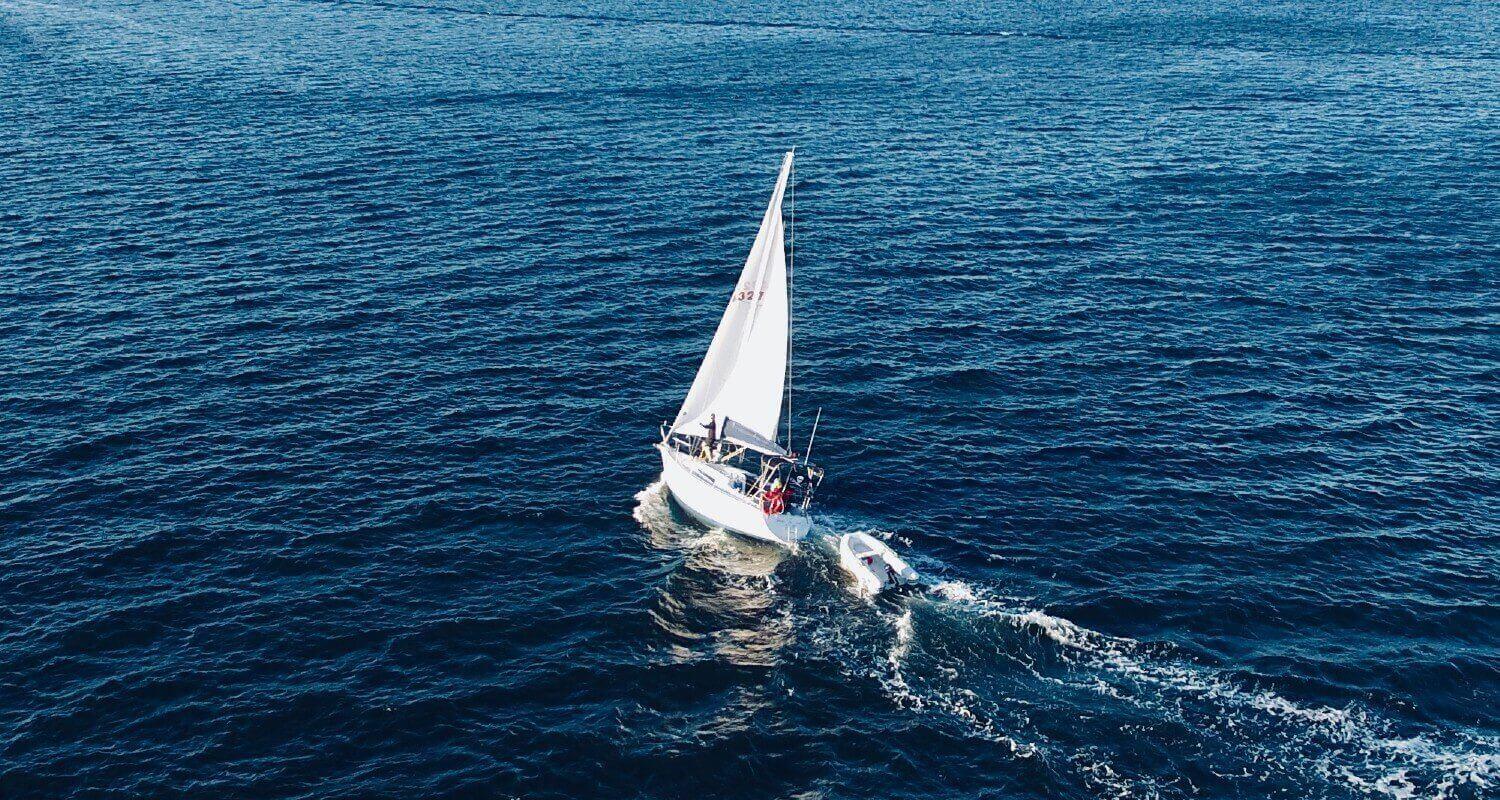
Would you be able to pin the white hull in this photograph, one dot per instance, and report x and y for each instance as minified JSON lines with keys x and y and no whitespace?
{"x":874,"y":566}
{"x":707,"y":492}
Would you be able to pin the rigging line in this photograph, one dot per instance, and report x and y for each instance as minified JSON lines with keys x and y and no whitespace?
{"x":791,"y":295}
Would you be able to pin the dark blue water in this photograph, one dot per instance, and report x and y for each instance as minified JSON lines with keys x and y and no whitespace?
{"x":1165,"y":337}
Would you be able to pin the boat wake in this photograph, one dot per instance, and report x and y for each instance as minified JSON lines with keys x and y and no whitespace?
{"x":719,"y":602}
{"x":1096,"y":711}
{"x":1045,"y":687}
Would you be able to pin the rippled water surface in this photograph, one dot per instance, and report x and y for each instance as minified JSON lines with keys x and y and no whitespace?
{"x":1162,"y":336}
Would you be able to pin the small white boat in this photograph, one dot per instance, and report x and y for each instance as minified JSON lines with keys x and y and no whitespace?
{"x":721,"y":456}
{"x":873,"y":564}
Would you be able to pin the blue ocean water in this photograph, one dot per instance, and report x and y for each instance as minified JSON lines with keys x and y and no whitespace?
{"x":1163,"y":336}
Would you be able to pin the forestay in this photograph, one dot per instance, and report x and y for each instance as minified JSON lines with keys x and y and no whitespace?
{"x":742,"y":377}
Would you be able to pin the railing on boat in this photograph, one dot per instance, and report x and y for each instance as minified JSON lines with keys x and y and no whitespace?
{"x":798,"y":492}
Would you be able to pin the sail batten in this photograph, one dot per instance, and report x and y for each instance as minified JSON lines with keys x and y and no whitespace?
{"x":742,"y":377}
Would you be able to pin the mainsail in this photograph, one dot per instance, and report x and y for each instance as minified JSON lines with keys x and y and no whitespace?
{"x":742,"y":377}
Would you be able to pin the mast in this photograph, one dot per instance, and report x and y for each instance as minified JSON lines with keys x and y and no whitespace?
{"x":791,"y":284}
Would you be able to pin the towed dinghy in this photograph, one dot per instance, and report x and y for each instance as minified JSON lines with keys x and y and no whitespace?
{"x":873,"y":564}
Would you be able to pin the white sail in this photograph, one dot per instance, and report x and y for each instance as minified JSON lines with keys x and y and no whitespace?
{"x":742,"y":377}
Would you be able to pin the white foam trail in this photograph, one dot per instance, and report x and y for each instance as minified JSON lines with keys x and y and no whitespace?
{"x":954,"y":590}
{"x":650,"y":502}
{"x":1099,"y":774}
{"x":1282,"y":739}
{"x":1122,"y":668}
{"x":653,"y":512}
{"x":895,"y":682}
{"x":957,"y":703}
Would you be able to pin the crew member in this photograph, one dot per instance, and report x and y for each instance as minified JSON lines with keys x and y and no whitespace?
{"x":711,"y":441}
{"x":774,"y":499}
{"x":796,"y":487}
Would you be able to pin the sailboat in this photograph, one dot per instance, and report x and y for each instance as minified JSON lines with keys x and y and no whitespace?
{"x":722,"y":458}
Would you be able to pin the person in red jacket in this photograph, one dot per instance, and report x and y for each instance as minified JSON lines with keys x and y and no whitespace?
{"x":774,"y":499}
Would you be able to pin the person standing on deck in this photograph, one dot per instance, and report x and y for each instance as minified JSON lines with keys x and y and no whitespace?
{"x":710,"y":442}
